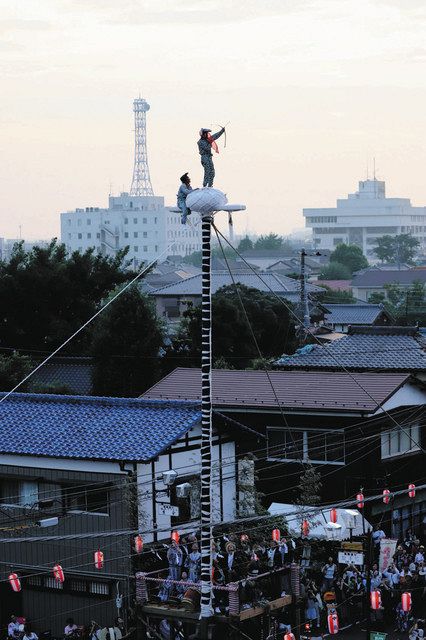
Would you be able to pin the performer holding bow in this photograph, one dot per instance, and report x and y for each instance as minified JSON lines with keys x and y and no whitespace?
{"x":206,"y":143}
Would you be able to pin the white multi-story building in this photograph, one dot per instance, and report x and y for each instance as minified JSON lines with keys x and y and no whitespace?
{"x":363,"y":217}
{"x":142,"y":223}
{"x":137,"y":220}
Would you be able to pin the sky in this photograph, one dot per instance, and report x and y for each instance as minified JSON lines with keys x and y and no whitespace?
{"x":313,"y":91}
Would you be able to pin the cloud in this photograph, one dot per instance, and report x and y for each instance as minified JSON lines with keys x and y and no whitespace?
{"x":6,"y":26}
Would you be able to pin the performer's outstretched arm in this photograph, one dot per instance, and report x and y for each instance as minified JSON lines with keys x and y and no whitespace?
{"x":217,"y":135}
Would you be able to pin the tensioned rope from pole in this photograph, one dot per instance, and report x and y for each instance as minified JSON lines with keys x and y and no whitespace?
{"x":206,"y":419}
{"x":330,"y":353}
{"x":117,"y":295}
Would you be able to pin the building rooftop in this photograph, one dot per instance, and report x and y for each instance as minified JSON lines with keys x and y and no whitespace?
{"x":364,"y":349}
{"x":359,"y":313}
{"x":92,"y":427}
{"x":295,"y":390}
{"x":74,"y":373}
{"x":280,"y":285}
{"x":378,"y":277}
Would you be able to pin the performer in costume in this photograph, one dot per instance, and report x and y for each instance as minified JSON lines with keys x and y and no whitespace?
{"x":184,"y":189}
{"x":206,"y":143}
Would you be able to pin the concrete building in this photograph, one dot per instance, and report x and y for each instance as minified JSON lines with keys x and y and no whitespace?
{"x":138,"y":219}
{"x":363,"y":217}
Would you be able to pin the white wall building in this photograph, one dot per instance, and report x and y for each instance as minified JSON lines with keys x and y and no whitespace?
{"x":142,"y":223}
{"x":363,"y":217}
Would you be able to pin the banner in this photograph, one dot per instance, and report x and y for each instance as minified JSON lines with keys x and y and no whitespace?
{"x":387,"y":551}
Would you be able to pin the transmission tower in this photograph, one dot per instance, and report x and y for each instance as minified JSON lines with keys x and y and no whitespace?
{"x":141,"y":182}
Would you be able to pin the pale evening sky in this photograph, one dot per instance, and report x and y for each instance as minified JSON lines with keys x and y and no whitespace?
{"x":313,"y":89}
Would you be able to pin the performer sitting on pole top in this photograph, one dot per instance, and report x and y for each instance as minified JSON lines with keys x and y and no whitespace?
{"x":205,"y":145}
{"x":184,"y":189}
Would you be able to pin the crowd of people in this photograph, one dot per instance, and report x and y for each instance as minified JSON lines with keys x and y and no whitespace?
{"x":20,"y":629}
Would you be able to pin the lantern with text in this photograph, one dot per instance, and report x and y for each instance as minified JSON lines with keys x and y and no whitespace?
{"x":289,"y":636}
{"x":406,"y":601}
{"x":58,"y":572}
{"x":99,"y":560}
{"x":360,"y":500}
{"x":333,"y":515}
{"x":175,"y":536}
{"x":375,"y":600}
{"x":411,"y":490}
{"x":138,"y":544}
{"x":276,"y":535}
{"x":333,"y":623}
{"x":305,"y":528}
{"x":386,"y":496}
{"x":15,"y":582}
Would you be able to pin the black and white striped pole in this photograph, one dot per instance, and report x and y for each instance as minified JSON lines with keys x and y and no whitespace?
{"x":206,"y":202}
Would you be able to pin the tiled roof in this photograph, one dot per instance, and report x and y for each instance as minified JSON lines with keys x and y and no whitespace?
{"x":298,"y":390}
{"x":279,"y":284}
{"x":95,"y":428}
{"x":353,"y":313}
{"x":378,"y":278}
{"x":362,"y":352}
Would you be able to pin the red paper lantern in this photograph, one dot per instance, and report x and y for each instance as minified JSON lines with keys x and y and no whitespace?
{"x":375,"y":600}
{"x":305,"y":528}
{"x":406,"y":601}
{"x":138,"y":544}
{"x":360,"y":500}
{"x":276,"y":535}
{"x":411,"y":490}
{"x":15,"y":582}
{"x":99,"y":560}
{"x":244,"y":537}
{"x":333,"y":623}
{"x":175,"y":536}
{"x":58,"y":572}
{"x":386,"y":496}
{"x":289,"y":636}
{"x":333,"y":515}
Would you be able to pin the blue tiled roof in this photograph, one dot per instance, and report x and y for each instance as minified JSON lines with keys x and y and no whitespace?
{"x":93,"y":428}
{"x":353,"y":313}
{"x":362,"y":352}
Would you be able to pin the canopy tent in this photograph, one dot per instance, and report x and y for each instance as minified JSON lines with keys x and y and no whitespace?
{"x":319,"y":521}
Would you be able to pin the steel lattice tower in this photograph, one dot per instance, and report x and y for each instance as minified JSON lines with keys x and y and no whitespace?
{"x":141,"y":182}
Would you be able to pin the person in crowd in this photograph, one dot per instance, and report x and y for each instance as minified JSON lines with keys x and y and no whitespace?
{"x":13,"y":627}
{"x":420,"y":555}
{"x":29,"y":634}
{"x":377,"y":535}
{"x":175,"y":560}
{"x":329,"y":572}
{"x":312,"y":613}
{"x":233,"y":563}
{"x":193,"y":563}
{"x":71,"y":628}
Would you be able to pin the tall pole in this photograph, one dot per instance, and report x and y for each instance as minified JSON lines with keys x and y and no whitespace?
{"x":206,"y":425}
{"x":303,"y":290}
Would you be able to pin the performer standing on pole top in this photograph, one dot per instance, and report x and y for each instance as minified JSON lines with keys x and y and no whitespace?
{"x":205,"y":145}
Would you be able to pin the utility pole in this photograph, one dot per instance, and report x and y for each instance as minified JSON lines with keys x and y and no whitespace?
{"x":303,"y":290}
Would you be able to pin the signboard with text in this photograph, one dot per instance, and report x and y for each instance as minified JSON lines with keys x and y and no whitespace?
{"x":351,"y":557}
{"x":387,"y":551}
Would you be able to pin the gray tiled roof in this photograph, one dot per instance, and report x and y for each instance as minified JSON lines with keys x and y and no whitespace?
{"x":378,"y":278}
{"x":279,"y":284}
{"x":353,"y":313}
{"x":361,"y":352}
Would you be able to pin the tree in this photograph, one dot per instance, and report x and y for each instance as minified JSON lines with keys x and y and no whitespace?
{"x":398,"y":249}
{"x":13,"y":369}
{"x":349,"y":255}
{"x":127,"y":339}
{"x":245,"y":244}
{"x":271,"y":241}
{"x":335,"y":271}
{"x":335,"y":296}
{"x":232,"y":339}
{"x":46,"y":295}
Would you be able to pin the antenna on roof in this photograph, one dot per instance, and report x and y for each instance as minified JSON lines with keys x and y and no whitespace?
{"x":374,"y":168}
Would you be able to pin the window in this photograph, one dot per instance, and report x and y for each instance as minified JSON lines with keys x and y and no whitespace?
{"x":155,"y":220}
{"x":156,"y":248}
{"x":144,"y":220}
{"x":89,"y":235}
{"x":79,"y":222}
{"x":135,"y":220}
{"x":126,"y":234}
{"x":135,"y":234}
{"x":397,"y":441}
{"x":98,"y":235}
{"x":94,"y":500}
{"x":80,"y":235}
{"x":126,"y":220}
{"x":52,"y":583}
{"x":77,"y":585}
{"x":135,"y":248}
{"x":18,"y":493}
{"x":189,"y":508}
{"x":88,"y":222}
{"x":145,"y":248}
{"x":69,"y":222}
{"x":100,"y":588}
{"x":315,"y":445}
{"x":34,"y":581}
{"x":145,"y":234}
